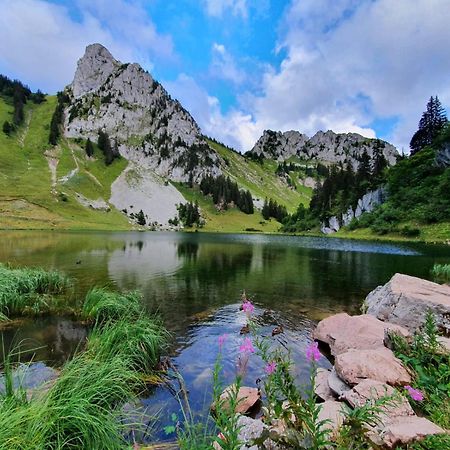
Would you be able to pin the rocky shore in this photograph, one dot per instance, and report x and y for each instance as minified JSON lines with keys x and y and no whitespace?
{"x":365,"y":368}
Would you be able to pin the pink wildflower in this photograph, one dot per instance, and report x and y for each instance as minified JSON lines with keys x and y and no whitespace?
{"x":270,"y":368}
{"x":248,"y":307}
{"x":222,"y":340}
{"x":312,"y":352}
{"x":247,"y":346}
{"x":414,"y":393}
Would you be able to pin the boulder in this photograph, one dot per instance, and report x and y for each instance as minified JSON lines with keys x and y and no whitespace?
{"x":372,"y":390}
{"x":332,"y":411}
{"x":403,"y":430}
{"x":247,"y":399}
{"x":343,"y":332}
{"x":405,"y":300}
{"x":354,"y":366}
{"x":322,"y":388}
{"x":338,"y":386}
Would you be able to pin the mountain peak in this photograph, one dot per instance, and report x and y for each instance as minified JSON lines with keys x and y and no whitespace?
{"x":93,"y":69}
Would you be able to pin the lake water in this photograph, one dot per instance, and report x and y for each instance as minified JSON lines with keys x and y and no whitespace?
{"x":195,"y":281}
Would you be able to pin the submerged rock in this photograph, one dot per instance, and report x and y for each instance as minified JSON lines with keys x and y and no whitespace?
{"x":247,"y":399}
{"x":343,"y":332}
{"x":379,"y":364}
{"x":405,"y":300}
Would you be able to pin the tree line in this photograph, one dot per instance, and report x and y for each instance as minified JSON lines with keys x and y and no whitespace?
{"x":225,"y":192}
{"x":19,"y":94}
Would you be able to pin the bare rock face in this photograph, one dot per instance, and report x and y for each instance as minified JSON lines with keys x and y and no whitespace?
{"x":370,"y":390}
{"x":343,"y":332}
{"x":139,"y":115}
{"x":404,"y":430}
{"x":405,"y":300}
{"x":322,"y":388}
{"x":333,"y":412}
{"x":355,"y":366}
{"x":247,"y":398}
{"x":326,"y":146}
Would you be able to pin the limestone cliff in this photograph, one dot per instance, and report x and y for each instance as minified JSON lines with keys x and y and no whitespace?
{"x":327,"y":147}
{"x":150,"y":127}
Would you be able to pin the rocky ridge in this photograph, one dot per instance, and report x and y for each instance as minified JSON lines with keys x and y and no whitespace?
{"x":138,"y":114}
{"x":327,"y":147}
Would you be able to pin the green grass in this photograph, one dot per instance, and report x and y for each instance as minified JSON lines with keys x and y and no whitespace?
{"x":29,"y":291}
{"x":229,"y":221}
{"x":441,"y":273}
{"x":261,"y":180}
{"x":102,"y":305}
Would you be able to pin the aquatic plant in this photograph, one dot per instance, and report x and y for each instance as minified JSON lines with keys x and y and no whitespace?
{"x":141,"y":340}
{"x":103,"y":305}
{"x":441,"y":273}
{"x":30,"y":291}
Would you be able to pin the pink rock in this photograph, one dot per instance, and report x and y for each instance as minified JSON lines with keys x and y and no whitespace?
{"x":371,"y":390}
{"x":403,"y":430}
{"x":343,"y":332}
{"x":380,"y":364}
{"x":405,"y":300}
{"x":247,"y":397}
{"x":332,"y":411}
{"x":322,"y":388}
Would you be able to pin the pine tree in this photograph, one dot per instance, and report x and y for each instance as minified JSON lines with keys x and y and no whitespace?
{"x":7,"y":128}
{"x":140,"y":218}
{"x":265,"y":210}
{"x":431,"y":123}
{"x":89,"y":148}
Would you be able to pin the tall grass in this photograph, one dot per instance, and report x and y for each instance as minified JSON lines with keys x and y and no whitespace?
{"x":29,"y":291}
{"x":441,"y":273}
{"x":102,"y":305}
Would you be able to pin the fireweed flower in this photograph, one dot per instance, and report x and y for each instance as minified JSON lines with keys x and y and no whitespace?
{"x":312,"y":352}
{"x":247,"y":346}
{"x":415,"y":394}
{"x":222,"y":340}
{"x":270,"y":368}
{"x":248,"y":307}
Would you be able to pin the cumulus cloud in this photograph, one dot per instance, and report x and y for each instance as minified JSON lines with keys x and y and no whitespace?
{"x":223,"y":65}
{"x":40,"y":42}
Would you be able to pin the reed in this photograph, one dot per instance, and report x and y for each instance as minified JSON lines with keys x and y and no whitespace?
{"x":441,"y":273}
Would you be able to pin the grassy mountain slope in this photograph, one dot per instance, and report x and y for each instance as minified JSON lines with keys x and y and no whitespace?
{"x":31,"y":197}
{"x":261,"y":180}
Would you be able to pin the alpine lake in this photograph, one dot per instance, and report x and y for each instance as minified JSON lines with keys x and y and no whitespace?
{"x":195,"y":281}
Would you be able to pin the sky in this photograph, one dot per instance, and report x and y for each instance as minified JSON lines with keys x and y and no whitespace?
{"x":243,"y":66}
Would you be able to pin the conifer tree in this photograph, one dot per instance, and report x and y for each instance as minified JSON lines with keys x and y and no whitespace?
{"x":431,"y":123}
{"x":89,"y":148}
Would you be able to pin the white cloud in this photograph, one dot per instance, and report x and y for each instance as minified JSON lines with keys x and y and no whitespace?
{"x":223,"y":65}
{"x":350,"y":62}
{"x":217,"y":8}
{"x":40,"y":42}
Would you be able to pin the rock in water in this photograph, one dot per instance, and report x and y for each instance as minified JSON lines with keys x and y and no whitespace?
{"x":343,"y":332}
{"x":247,"y":399}
{"x":380,"y":364}
{"x":405,"y":300}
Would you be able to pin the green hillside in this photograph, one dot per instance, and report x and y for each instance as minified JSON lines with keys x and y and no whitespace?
{"x":31,"y":198}
{"x":260,"y":179}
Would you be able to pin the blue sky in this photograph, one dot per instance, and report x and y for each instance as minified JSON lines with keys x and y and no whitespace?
{"x":242,"y":66}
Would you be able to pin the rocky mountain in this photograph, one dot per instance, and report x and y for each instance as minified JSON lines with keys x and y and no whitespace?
{"x":328,"y":147}
{"x":149,"y":127}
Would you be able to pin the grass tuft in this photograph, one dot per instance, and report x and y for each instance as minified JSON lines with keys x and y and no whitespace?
{"x":441,"y":273}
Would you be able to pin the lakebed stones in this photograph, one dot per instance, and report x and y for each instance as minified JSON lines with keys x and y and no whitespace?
{"x":354,"y":366}
{"x":405,"y":300}
{"x":343,"y":332}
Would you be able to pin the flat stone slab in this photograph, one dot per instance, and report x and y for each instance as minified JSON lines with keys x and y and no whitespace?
{"x":369,"y":391}
{"x":338,"y":386}
{"x":333,"y":412}
{"x":404,"y":430}
{"x":247,"y":398}
{"x":364,"y":332}
{"x":355,"y":366}
{"x":405,"y":300}
{"x":322,"y":388}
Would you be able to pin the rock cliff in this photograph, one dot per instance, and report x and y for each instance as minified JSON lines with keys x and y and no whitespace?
{"x":328,"y":147}
{"x":135,"y":110}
